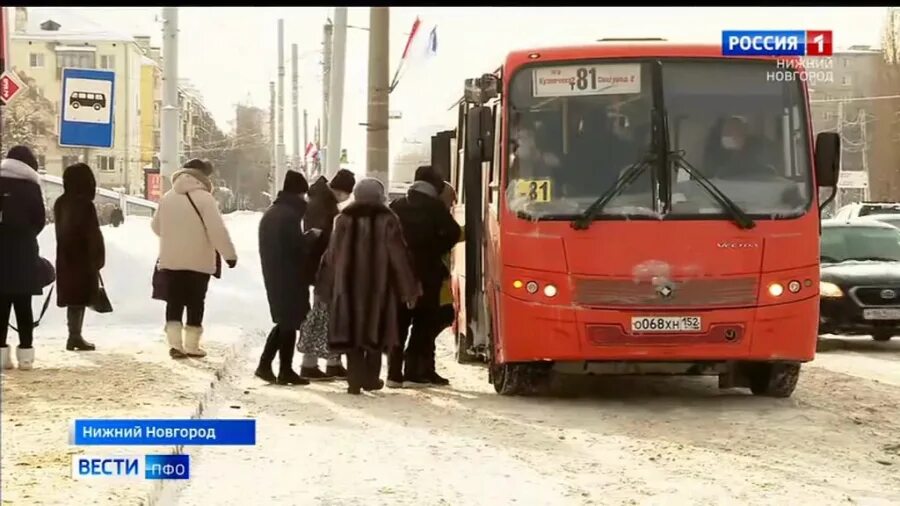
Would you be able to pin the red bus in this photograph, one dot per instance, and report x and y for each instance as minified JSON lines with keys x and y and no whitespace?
{"x":639,"y":208}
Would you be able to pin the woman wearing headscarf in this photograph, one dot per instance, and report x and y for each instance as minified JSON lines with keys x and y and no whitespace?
{"x":191,"y":234}
{"x":22,"y":217}
{"x":80,"y":253}
{"x":365,"y":275}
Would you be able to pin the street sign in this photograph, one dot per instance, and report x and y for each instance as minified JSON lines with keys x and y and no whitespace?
{"x":10,"y":86}
{"x":853,"y":179}
{"x":86,"y":119}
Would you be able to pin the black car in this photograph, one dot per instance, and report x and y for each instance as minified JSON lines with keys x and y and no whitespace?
{"x":860,"y":279}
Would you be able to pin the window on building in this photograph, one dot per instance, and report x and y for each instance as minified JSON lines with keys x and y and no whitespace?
{"x":36,"y":60}
{"x":845,"y":80}
{"x":74,"y":59}
{"x":68,"y":160}
{"x":845,"y":62}
{"x":828,"y":115}
{"x":42,"y":162}
{"x":108,"y":61}
{"x":106,"y":163}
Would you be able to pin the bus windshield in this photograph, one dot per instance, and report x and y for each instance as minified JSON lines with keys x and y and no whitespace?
{"x":746,"y":133}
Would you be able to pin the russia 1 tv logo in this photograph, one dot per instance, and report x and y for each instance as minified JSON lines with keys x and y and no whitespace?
{"x":776,"y":43}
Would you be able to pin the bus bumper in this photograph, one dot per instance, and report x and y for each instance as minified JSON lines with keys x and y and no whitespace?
{"x":534,"y":332}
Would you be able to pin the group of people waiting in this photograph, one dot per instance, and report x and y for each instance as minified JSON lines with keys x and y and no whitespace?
{"x":80,"y":253}
{"x":351,"y":273}
{"x":377,"y":273}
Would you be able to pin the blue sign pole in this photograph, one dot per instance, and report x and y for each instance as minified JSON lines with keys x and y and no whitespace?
{"x":87,"y":114}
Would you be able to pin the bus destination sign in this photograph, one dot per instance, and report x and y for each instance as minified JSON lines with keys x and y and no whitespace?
{"x":588,"y":79}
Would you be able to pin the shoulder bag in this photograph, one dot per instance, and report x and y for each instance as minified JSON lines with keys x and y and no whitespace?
{"x":218,"y":273}
{"x":100,"y":302}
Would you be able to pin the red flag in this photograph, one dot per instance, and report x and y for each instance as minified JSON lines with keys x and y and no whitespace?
{"x":412,"y":34}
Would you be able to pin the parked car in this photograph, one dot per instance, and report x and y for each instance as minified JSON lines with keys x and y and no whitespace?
{"x":890,"y":219}
{"x":860,"y":279}
{"x":859,"y":209}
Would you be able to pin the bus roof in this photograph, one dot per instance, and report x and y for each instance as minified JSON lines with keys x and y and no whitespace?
{"x":621,"y":50}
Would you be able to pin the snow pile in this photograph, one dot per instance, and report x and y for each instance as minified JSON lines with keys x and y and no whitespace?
{"x":238,"y":299}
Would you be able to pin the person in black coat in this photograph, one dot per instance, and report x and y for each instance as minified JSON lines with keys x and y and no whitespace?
{"x":80,"y":252}
{"x":282,"y":249}
{"x":322,"y":208}
{"x":430,"y":232}
{"x":22,"y":217}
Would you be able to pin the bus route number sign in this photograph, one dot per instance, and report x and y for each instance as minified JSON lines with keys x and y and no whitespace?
{"x":535,"y":190}
{"x":575,"y":80}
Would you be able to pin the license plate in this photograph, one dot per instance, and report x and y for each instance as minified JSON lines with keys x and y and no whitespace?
{"x":881,"y":314}
{"x":644,"y":324}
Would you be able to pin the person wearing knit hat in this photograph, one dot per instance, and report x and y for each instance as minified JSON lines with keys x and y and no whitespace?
{"x":342,"y":185}
{"x":366,"y":266}
{"x":430,"y":233}
{"x":283,"y":250}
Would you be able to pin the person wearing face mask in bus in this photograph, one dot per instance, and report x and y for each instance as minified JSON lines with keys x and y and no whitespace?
{"x":738,"y":156}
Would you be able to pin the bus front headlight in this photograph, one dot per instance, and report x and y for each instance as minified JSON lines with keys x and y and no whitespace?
{"x":830,"y":290}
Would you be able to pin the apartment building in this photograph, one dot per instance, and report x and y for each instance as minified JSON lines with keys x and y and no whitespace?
{"x":151,"y":103}
{"x":41,"y":48}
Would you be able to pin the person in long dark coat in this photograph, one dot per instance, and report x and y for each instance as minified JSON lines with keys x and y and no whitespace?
{"x":80,"y":252}
{"x":365,"y":276}
{"x":322,"y":208}
{"x":431,"y":232}
{"x":22,"y":217}
{"x":282,"y":249}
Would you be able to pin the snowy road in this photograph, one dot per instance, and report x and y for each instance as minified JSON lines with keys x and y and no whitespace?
{"x":617,"y":441}
{"x":611,"y":441}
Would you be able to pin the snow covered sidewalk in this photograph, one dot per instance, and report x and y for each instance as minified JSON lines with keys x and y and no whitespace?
{"x":129,"y":376}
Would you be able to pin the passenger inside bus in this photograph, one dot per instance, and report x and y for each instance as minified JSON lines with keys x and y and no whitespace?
{"x":732,"y":153}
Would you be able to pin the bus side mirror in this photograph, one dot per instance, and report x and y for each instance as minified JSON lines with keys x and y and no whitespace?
{"x":828,"y":158}
{"x":480,"y":134}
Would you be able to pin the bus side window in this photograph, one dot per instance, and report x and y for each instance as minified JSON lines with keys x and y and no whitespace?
{"x":461,"y":153}
{"x":495,"y":164}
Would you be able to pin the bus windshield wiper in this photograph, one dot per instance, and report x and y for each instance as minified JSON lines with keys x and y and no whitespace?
{"x":738,"y":215}
{"x":583,"y":221}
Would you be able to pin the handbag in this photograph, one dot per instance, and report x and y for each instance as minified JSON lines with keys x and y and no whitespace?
{"x":100,"y":302}
{"x":43,"y":311}
{"x":218,"y":273}
{"x":160,"y":284}
{"x":314,"y":331}
{"x":46,"y":272}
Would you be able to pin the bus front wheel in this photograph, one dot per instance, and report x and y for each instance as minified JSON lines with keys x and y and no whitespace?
{"x":774,"y":379}
{"x":519,"y":379}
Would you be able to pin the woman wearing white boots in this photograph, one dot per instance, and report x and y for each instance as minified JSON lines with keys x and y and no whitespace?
{"x":22,"y":217}
{"x":192,"y":241}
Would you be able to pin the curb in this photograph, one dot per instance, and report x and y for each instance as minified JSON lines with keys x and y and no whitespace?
{"x":163,"y":492}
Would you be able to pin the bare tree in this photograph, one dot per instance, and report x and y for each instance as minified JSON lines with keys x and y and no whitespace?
{"x":885,"y":167}
{"x":29,"y":119}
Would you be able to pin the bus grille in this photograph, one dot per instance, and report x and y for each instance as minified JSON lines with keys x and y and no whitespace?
{"x":693,"y":292}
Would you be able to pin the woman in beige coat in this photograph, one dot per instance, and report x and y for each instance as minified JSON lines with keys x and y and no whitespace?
{"x":192,"y":236}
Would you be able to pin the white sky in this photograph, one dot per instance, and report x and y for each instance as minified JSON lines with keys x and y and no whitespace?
{"x":230,"y":53}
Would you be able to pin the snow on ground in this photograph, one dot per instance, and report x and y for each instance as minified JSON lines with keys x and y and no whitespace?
{"x":129,"y":376}
{"x":598,"y":441}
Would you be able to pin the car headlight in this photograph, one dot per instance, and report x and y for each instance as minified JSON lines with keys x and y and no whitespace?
{"x":827,"y":289}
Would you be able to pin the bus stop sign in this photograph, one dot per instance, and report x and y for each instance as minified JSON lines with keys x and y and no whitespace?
{"x":87,"y":116}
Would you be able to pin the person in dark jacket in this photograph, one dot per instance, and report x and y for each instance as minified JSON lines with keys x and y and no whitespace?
{"x":22,"y":217}
{"x":320,"y":213}
{"x":430,"y":232}
{"x":282,"y":250}
{"x":80,"y":253}
{"x":365,"y":276}
{"x":342,"y":185}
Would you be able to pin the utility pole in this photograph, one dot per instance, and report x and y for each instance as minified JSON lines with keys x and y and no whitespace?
{"x":169,"y":117}
{"x":377,"y":143}
{"x":305,"y":142}
{"x":840,"y":132}
{"x":326,"y":84}
{"x":295,"y":95}
{"x":336,"y":103}
{"x":272,"y":149}
{"x":867,"y":195}
{"x":279,"y":150}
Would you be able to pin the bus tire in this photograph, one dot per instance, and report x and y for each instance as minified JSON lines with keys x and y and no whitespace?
{"x":520,"y":379}
{"x":774,"y":379}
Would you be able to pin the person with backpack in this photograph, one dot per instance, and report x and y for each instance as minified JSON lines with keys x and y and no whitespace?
{"x":80,"y":252}
{"x":193,"y":240}
{"x":22,"y":217}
